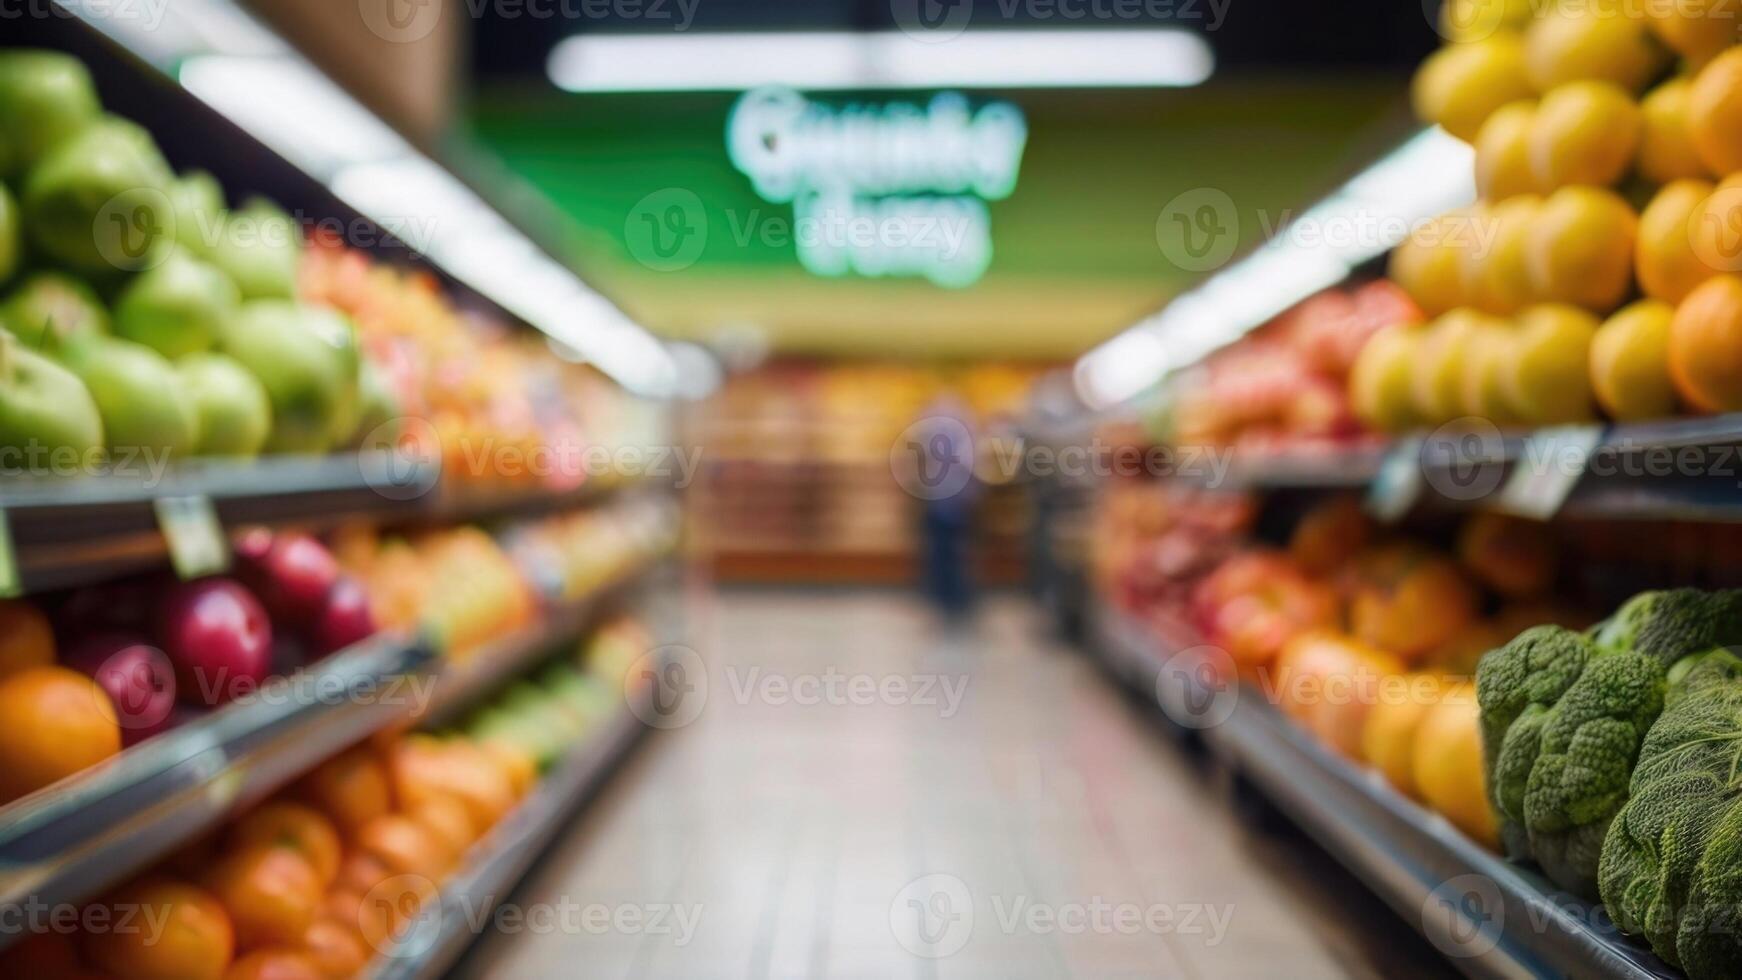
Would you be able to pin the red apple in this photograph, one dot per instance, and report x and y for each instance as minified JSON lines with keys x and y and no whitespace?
{"x":292,"y":573}
{"x":218,"y":637}
{"x":137,"y":676}
{"x":346,"y":619}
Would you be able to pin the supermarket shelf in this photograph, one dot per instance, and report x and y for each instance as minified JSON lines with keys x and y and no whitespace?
{"x":1491,"y":918}
{"x":67,"y":842}
{"x":499,"y":861}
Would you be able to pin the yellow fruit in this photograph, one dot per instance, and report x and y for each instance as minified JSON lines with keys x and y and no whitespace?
{"x":1548,"y":380}
{"x":1630,"y":362}
{"x":1573,"y":42}
{"x":1427,"y":268}
{"x":1698,"y":30}
{"x":1460,"y":85}
{"x":1705,"y":346}
{"x":1716,"y":229}
{"x":1715,"y":113}
{"x":1580,"y":249}
{"x":1464,"y":21}
{"x":1666,"y":150}
{"x":1503,"y":166}
{"x":1381,"y":384}
{"x":1664,"y":256}
{"x":1481,"y":391}
{"x":1448,"y":764}
{"x":1584,"y":133}
{"x":1502,"y":274}
{"x":1388,"y":737}
{"x":1438,"y":381}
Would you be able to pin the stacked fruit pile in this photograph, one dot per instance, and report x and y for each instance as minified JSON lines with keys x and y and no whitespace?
{"x":110,"y":666}
{"x":1608,"y":144}
{"x":1286,"y":384}
{"x":151,"y":320}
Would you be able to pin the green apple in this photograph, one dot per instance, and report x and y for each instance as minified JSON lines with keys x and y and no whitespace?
{"x":45,"y":98}
{"x":259,"y":251}
{"x":177,"y":307}
{"x":11,"y":235}
{"x":97,"y":203}
{"x":235,"y":416}
{"x":378,"y":406}
{"x":139,"y":394}
{"x":47,"y":415}
{"x":198,"y":203}
{"x":50,"y":311}
{"x":310,"y":379}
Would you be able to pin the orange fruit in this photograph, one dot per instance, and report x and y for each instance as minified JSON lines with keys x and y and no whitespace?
{"x":1669,"y":267}
{"x":1666,"y":147}
{"x":351,"y":788}
{"x":361,"y":872}
{"x":405,"y":847}
{"x":1580,"y":248}
{"x":196,"y":939}
{"x":1579,"y":42}
{"x":336,"y":948}
{"x":1460,"y":85}
{"x":1503,"y":152}
{"x":283,"y":963}
{"x":1716,"y":229}
{"x":1699,"y":30}
{"x":424,"y":767}
{"x":301,"y":828}
{"x":349,"y":909}
{"x":1705,"y":346}
{"x":1448,"y":764}
{"x":448,"y":820}
{"x":1715,"y":113}
{"x":271,"y":893}
{"x":53,"y":722}
{"x":1630,"y":362}
{"x":520,"y":769}
{"x":1584,"y":132}
{"x":26,"y":640}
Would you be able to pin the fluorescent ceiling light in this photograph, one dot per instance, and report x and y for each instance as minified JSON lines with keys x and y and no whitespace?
{"x":1153,"y":58}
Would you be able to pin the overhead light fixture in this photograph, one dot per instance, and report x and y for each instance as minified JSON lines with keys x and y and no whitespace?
{"x":834,"y":60}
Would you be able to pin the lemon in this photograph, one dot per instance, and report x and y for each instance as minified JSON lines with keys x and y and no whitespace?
{"x":1460,"y":85}
{"x":1698,"y":30}
{"x":1438,"y":369}
{"x":1666,"y":149}
{"x":1547,"y":381}
{"x":1381,"y":384}
{"x":1584,"y":133}
{"x":1578,"y":41}
{"x":1715,"y":113}
{"x":1502,"y":276}
{"x":1664,"y":256}
{"x":1503,"y":167}
{"x":1630,"y":362}
{"x":1429,"y":268}
{"x":1580,"y":249}
{"x":1485,"y":358}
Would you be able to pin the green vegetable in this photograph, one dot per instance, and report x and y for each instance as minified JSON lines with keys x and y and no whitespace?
{"x":46,"y":98}
{"x":97,"y":203}
{"x":11,"y":235}
{"x":1564,"y":718}
{"x":1672,"y":860}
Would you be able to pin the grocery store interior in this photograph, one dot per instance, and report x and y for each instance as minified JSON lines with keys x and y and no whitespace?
{"x":870,"y":488}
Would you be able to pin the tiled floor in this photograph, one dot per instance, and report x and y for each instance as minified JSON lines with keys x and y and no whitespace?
{"x":997,"y":809}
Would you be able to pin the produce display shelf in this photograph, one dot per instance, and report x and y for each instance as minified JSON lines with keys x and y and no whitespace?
{"x":68,"y":841}
{"x":1490,"y":917}
{"x":440,"y":935}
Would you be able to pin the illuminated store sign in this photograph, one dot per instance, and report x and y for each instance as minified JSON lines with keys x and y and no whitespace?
{"x":897,"y":189}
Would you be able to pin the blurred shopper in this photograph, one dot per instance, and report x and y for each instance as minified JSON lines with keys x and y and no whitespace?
{"x":943,"y":454}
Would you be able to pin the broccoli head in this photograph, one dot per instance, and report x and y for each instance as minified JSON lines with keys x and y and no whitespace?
{"x":1674,"y":623}
{"x":1671,"y":866}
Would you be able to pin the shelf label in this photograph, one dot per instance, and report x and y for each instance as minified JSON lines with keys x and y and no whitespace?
{"x":11,"y":585}
{"x":1397,"y":485}
{"x":1552,"y":464}
{"x":197,"y":545}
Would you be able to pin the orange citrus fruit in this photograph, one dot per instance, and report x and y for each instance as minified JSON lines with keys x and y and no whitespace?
{"x":193,"y":941}
{"x":53,"y":722}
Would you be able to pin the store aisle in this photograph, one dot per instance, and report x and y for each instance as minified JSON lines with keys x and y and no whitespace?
{"x":1000,"y":800}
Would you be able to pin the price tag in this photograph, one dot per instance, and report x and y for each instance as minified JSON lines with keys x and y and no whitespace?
{"x":197,"y":545}
{"x":1553,"y":462}
{"x":11,"y":585}
{"x":1397,"y":485}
